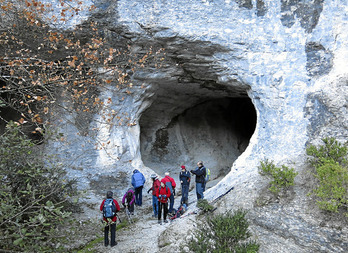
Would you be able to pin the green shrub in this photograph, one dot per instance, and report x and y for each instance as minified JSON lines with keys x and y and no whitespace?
{"x":223,"y":233}
{"x":281,"y":178}
{"x":331,"y":151}
{"x":330,"y":169}
{"x":34,"y":197}
{"x":204,"y":206}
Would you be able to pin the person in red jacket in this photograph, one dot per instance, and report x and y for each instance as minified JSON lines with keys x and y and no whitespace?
{"x":163,"y":193}
{"x":170,"y":182}
{"x":110,"y":220}
{"x":155,"y":185}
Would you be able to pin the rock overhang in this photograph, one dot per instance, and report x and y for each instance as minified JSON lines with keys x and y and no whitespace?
{"x":192,"y":78}
{"x":228,"y":49}
{"x":276,"y":55}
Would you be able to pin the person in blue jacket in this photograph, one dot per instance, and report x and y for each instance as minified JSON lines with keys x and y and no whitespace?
{"x":138,"y":181}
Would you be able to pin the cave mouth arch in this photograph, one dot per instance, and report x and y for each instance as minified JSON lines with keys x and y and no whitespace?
{"x":216,"y":130}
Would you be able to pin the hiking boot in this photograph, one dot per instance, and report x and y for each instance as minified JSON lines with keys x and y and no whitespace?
{"x":160,"y":222}
{"x":165,"y":221}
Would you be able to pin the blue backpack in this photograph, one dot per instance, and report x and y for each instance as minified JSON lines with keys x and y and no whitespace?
{"x":109,"y":209}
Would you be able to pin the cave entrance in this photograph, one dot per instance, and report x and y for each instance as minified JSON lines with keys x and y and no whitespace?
{"x":214,"y":130}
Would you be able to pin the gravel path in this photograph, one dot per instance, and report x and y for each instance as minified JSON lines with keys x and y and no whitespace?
{"x":147,"y":236}
{"x":143,"y":235}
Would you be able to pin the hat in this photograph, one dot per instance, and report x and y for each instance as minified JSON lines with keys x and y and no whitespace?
{"x":183,"y":167}
{"x":153,"y":176}
{"x":167,"y":173}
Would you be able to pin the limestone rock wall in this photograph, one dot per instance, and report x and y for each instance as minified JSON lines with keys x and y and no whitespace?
{"x":287,"y":57}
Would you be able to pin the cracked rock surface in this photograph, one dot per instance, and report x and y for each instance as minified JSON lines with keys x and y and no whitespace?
{"x":243,"y":81}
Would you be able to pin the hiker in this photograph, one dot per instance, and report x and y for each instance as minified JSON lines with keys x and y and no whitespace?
{"x":129,"y":196}
{"x":200,"y":173}
{"x":138,"y":181}
{"x":185,"y":178}
{"x":109,"y":207}
{"x":170,"y":182}
{"x":163,"y":193}
{"x":155,"y":185}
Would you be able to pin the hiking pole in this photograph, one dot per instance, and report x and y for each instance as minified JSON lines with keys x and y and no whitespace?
{"x":118,"y":217}
{"x":128,"y":214}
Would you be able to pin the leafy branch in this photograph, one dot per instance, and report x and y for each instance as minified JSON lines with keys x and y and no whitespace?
{"x":35,"y":71}
{"x":35,"y":196}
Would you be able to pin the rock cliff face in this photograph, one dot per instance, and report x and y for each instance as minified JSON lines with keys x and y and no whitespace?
{"x":244,"y":80}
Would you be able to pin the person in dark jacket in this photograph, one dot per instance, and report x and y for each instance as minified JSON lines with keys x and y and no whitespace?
{"x":138,"y":181}
{"x":129,"y":196}
{"x":110,"y":223}
{"x":155,"y":185}
{"x":163,"y":193}
{"x":200,"y":173}
{"x":170,"y":182}
{"x":185,"y":178}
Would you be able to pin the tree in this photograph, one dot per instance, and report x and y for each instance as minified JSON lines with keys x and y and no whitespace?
{"x":36,"y":197}
{"x":40,"y":65}
{"x":39,"y":62}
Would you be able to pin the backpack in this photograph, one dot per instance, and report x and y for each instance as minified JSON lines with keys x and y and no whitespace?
{"x":162,"y":196}
{"x":109,"y":209}
{"x":170,"y":186}
{"x":207,"y":175}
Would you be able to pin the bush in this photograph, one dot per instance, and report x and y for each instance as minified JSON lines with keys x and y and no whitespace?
{"x":34,"y":197}
{"x":330,"y":169}
{"x":282,"y":178}
{"x":223,"y":233}
{"x":204,"y":206}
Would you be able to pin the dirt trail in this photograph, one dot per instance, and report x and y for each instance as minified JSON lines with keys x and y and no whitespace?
{"x":147,"y":236}
{"x":142,"y":235}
